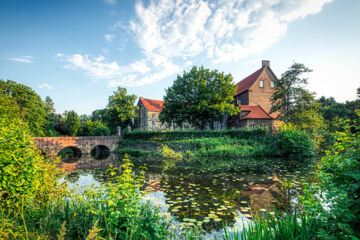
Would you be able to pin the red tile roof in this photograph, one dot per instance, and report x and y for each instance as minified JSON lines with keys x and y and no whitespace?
{"x":247,"y":82}
{"x":152,"y":105}
{"x":256,"y":112}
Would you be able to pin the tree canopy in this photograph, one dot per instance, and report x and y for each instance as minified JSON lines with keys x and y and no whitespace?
{"x":31,"y":109}
{"x":120,"y":109}
{"x":72,"y":123}
{"x":199,"y":97}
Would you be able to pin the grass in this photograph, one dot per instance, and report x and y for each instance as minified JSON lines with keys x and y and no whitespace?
{"x":290,"y":227}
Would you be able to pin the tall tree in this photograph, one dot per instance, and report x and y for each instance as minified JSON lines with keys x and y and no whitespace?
{"x":294,"y":103}
{"x":32,"y":109}
{"x":120,"y":109}
{"x":199,"y":97}
{"x":72,"y":123}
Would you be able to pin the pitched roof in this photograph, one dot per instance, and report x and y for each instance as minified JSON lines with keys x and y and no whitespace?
{"x":256,"y":112}
{"x":247,"y":82}
{"x":152,"y":105}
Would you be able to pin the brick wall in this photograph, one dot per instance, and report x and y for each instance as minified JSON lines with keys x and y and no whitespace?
{"x":262,"y":96}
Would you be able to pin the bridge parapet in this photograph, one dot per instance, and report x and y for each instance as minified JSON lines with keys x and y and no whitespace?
{"x":53,"y":145}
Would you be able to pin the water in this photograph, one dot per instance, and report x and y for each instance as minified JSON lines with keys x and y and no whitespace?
{"x":213,"y":192}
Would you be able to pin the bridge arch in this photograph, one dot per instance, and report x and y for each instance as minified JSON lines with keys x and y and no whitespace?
{"x":70,"y":154}
{"x":100,"y":152}
{"x":53,"y":145}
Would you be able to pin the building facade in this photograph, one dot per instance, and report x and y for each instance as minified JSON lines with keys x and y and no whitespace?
{"x":253,"y":97}
{"x":149,"y":110}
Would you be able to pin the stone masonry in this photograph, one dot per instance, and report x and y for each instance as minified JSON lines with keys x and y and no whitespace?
{"x":53,"y":145}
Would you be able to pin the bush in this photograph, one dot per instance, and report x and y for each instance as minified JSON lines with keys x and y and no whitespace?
{"x":294,"y":143}
{"x":25,"y":175}
{"x":101,"y":131}
{"x":339,"y":187}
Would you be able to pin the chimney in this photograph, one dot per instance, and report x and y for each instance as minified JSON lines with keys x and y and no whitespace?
{"x":265,"y":63}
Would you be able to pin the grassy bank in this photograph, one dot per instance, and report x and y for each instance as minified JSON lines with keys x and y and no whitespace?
{"x":148,"y":145}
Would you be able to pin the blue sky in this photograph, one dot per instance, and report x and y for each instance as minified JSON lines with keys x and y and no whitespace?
{"x":78,"y":52}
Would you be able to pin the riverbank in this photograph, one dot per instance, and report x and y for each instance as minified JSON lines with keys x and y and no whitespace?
{"x":147,"y":146}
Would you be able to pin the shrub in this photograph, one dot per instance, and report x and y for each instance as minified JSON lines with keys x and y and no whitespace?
{"x":294,"y":143}
{"x":24,"y":173}
{"x":339,"y":187}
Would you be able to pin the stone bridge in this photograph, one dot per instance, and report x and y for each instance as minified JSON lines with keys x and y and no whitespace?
{"x":52,"y":145}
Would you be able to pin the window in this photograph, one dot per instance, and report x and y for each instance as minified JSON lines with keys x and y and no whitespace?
{"x":261,"y":83}
{"x":153,"y":123}
{"x":252,"y":126}
{"x":272,"y":84}
{"x":153,"y":115}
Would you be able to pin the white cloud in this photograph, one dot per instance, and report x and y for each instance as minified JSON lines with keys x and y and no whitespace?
{"x":45,"y":86}
{"x":109,"y":37}
{"x":23,"y":59}
{"x":178,"y":31}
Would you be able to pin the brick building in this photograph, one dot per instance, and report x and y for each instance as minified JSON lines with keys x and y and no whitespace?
{"x":253,"y":96}
{"x":149,"y":111}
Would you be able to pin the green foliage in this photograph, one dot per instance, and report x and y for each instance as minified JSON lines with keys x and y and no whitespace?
{"x":31,"y":108}
{"x":290,"y":227}
{"x":199,"y":97}
{"x":161,"y":136}
{"x":24,"y":173}
{"x":88,"y":129}
{"x":72,"y":123}
{"x":294,"y":103}
{"x":196,"y":144}
{"x":294,"y":143}
{"x":110,"y":211}
{"x":170,"y":157}
{"x":101,"y":131}
{"x":339,"y":187}
{"x":120,"y":109}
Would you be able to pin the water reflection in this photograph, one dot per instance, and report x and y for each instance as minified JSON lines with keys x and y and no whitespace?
{"x":212,"y":192}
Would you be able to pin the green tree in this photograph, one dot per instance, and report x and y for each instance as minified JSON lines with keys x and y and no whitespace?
{"x":99,"y":115}
{"x":52,"y":119}
{"x":199,"y":97}
{"x":120,"y":109}
{"x":87,"y":129}
{"x":294,"y":103}
{"x":32,"y":109}
{"x":72,"y":123}
{"x":101,"y":131}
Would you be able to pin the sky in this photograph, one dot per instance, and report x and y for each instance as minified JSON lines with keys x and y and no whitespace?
{"x":79,"y":51}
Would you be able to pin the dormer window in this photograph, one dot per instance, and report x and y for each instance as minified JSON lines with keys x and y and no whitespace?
{"x":272,"y":84}
{"x":261,"y":83}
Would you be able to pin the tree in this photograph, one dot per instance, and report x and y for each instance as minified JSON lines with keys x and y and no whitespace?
{"x":294,"y":103}
{"x":101,"y":131}
{"x":99,"y":115}
{"x":71,"y":123}
{"x":199,"y":97}
{"x":120,"y":109}
{"x":32,"y":109}
{"x":52,"y":118}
